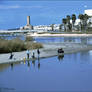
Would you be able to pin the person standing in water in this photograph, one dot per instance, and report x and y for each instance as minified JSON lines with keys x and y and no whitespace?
{"x":38,"y":52}
{"x":27,"y":54}
{"x":11,"y":55}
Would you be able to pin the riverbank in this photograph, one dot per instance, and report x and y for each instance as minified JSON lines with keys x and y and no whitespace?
{"x":49,"y":50}
{"x":63,"y":35}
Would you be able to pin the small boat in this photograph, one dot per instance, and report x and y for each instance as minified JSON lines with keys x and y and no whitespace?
{"x":60,"y":52}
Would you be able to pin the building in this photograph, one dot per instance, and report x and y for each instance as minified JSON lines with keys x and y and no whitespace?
{"x":89,"y":13}
{"x":28,"y":26}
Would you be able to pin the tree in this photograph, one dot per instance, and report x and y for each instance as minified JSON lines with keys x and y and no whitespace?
{"x":68,"y":19}
{"x":52,"y":27}
{"x":64,"y":21}
{"x":73,"y":20}
{"x":68,"y":22}
{"x":60,"y":27}
{"x":83,"y":21}
{"x":81,"y":17}
{"x":86,"y":17}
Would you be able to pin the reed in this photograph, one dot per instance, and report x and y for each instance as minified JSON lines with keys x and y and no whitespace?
{"x":16,"y":45}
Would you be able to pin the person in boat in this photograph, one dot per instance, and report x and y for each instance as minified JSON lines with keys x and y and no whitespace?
{"x":60,"y":50}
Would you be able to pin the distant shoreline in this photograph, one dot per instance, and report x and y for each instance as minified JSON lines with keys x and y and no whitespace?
{"x":57,"y":35}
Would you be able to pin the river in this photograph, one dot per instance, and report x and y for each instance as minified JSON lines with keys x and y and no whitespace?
{"x":73,"y":72}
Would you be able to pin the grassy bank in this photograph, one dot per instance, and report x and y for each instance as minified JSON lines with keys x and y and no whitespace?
{"x":16,"y":45}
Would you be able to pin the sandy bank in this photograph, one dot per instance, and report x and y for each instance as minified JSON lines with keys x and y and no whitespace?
{"x":49,"y":50}
{"x":63,"y":35}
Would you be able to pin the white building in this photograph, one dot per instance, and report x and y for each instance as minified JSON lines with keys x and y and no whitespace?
{"x":89,"y":13}
{"x":46,"y":27}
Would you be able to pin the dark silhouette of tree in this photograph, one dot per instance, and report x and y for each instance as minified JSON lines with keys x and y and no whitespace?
{"x":86,"y":17}
{"x":81,"y":17}
{"x":73,"y":20}
{"x":60,"y":27}
{"x":83,"y":21}
{"x":68,"y":19}
{"x":64,"y":21}
{"x":52,"y":27}
{"x":68,"y":22}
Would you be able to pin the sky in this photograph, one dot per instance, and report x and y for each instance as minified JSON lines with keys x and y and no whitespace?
{"x":13,"y":14}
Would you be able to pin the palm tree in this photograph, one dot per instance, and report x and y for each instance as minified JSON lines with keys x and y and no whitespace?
{"x":64,"y":21}
{"x":83,"y":21}
{"x":60,"y":27}
{"x":73,"y":20}
{"x":68,"y":21}
{"x":81,"y":17}
{"x":52,"y":27}
{"x":86,"y":17}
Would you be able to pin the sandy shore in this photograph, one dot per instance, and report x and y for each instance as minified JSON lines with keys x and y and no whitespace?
{"x":49,"y":50}
{"x":63,"y":35}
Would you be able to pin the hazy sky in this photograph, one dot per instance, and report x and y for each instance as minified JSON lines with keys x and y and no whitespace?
{"x":13,"y":14}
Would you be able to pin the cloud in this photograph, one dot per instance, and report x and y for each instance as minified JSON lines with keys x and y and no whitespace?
{"x":31,"y":6}
{"x":17,"y":6}
{"x":9,"y":7}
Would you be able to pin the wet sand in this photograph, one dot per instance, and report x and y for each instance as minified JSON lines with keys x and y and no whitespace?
{"x":63,"y":35}
{"x":49,"y":50}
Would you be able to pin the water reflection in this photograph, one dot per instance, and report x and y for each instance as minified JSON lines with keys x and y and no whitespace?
{"x":12,"y":66}
{"x":82,"y":40}
{"x":7,"y":65}
{"x":85,"y":57}
{"x":33,"y":62}
{"x":52,"y":75}
{"x":38,"y":63}
{"x":28,"y":63}
{"x":81,"y":58}
{"x":60,"y":57}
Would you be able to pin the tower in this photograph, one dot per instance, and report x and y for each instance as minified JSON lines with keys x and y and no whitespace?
{"x":28,"y":26}
{"x":28,"y":20}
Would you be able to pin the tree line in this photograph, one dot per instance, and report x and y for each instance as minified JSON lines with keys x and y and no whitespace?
{"x":71,"y":25}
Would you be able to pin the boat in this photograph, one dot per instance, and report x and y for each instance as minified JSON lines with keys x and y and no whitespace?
{"x":60,"y":52}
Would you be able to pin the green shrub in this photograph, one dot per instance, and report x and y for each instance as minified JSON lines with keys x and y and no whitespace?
{"x":32,"y":45}
{"x":28,"y":38}
{"x":16,"y":45}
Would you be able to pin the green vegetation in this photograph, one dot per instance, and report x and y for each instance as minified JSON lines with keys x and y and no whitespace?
{"x":82,"y":26}
{"x":16,"y":45}
{"x":33,"y":45}
{"x":28,"y":38}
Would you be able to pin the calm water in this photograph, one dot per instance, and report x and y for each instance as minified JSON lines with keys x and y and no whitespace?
{"x":71,"y":73}
{"x":84,"y":40}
